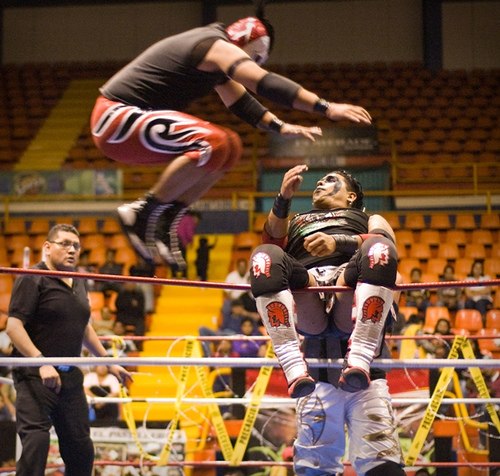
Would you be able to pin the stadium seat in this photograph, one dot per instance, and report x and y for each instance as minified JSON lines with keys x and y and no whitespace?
{"x":490,"y":221}
{"x":414,"y":221}
{"x":420,"y":251}
{"x":463,"y":267}
{"x":483,"y":237}
{"x":469,"y":320}
{"x":465,"y":222}
{"x":489,"y":347}
{"x":448,"y":251}
{"x":404,"y":237}
{"x":439,"y":221}
{"x":457,"y":237}
{"x":246,"y":240}
{"x":493,"y":319}
{"x":430,"y":237}
{"x":407,"y":311}
{"x":492,"y":267}
{"x":474,"y":251}
{"x":436,"y":265}
{"x":433,"y":314}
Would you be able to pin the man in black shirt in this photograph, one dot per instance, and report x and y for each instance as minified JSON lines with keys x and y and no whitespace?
{"x":49,"y":317}
{"x":140,"y":119}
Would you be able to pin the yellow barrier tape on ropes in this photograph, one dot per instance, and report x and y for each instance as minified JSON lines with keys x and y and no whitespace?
{"x":213,"y":409}
{"x":181,"y":388}
{"x":434,"y":404}
{"x":480,"y":383}
{"x":127,"y":407}
{"x":252,"y":410}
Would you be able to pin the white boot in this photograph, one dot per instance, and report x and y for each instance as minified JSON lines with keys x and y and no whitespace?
{"x":370,"y":308}
{"x":277,"y":312}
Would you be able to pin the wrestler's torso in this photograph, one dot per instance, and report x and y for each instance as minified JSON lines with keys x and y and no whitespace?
{"x":344,"y":221}
{"x":165,"y":76}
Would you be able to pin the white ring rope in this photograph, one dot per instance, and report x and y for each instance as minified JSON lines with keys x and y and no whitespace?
{"x":244,"y":362}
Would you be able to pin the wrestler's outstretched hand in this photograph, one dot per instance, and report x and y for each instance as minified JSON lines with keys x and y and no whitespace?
{"x":296,"y":130}
{"x":292,"y":180}
{"x":337,"y":112}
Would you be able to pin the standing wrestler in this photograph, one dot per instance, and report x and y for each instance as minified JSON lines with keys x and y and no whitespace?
{"x":336,"y":243}
{"x":49,"y":317}
{"x":139,"y":119}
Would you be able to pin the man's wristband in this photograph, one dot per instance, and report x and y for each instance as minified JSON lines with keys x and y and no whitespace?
{"x":275,"y":125}
{"x":321,"y":106}
{"x":346,"y":244}
{"x":281,"y":206}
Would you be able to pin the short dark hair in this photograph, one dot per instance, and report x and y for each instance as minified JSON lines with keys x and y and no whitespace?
{"x":353,"y":185}
{"x":54,"y":231}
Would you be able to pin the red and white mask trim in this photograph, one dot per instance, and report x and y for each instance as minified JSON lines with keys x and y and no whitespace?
{"x":251,"y":36}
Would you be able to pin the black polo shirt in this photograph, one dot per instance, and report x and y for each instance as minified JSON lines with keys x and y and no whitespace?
{"x":54,"y":315}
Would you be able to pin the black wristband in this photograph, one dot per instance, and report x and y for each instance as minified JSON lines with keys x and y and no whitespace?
{"x":281,"y":206}
{"x":275,"y":125}
{"x":321,"y":106}
{"x":248,"y":109}
{"x":345,"y":244}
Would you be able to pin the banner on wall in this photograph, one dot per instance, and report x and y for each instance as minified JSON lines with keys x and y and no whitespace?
{"x":64,"y":182}
{"x":337,"y":146}
{"x":117,"y":444}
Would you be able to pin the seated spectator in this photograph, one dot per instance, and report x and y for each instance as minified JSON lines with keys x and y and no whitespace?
{"x":438,"y":348}
{"x":419,"y":298}
{"x":100,"y":383}
{"x":185,"y":231}
{"x":84,"y":266}
{"x":247,"y":347}
{"x":478,"y":297}
{"x":449,"y":297}
{"x":110,"y":266}
{"x":240,"y":275}
{"x":130,"y":309}
{"x":104,"y":325}
{"x":412,"y":348}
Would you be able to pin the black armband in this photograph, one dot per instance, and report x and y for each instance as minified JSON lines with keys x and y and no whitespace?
{"x":278,"y":89}
{"x":248,"y":109}
{"x":281,"y":206}
{"x":233,"y":67}
{"x":345,"y":244}
{"x":321,"y":106}
{"x":275,"y":125}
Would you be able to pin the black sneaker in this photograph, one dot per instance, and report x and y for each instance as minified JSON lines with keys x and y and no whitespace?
{"x":167,"y":239}
{"x":139,"y":221}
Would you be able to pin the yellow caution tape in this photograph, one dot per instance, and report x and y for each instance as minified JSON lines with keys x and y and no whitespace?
{"x":181,"y":388}
{"x":127,"y":407}
{"x":434,"y":404}
{"x":252,"y":410}
{"x":480,"y":383}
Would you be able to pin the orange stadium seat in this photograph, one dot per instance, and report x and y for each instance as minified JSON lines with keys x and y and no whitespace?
{"x":433,"y":314}
{"x":456,"y":237}
{"x":465,"y":222}
{"x":246,"y":240}
{"x":404,"y":237}
{"x":420,"y":251}
{"x":489,"y":346}
{"x":4,"y":302}
{"x":469,"y":320}
{"x":448,"y":251}
{"x":474,"y":251}
{"x":39,"y":226}
{"x":87,"y":226}
{"x":483,"y":237}
{"x":436,"y":265}
{"x":414,"y":221}
{"x":407,"y":311}
{"x":490,"y":221}
{"x":492,"y":267}
{"x":493,"y":319}
{"x":110,"y":226}
{"x":430,"y":237}
{"x":463,"y":267}
{"x":439,"y":221}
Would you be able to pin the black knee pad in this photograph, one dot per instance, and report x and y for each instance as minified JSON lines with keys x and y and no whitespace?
{"x":273,"y":270}
{"x":388,"y":468}
{"x":376,"y":262}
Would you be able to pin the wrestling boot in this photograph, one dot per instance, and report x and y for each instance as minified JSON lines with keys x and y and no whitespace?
{"x":371,"y":306}
{"x":139,"y":221}
{"x":167,"y":239}
{"x":277,"y":314}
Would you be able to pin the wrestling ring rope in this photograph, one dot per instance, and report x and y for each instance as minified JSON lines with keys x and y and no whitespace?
{"x":408,"y":410}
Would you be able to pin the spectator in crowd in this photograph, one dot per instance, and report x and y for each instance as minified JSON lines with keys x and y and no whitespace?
{"x":7,"y":402}
{"x":110,"y":266}
{"x":101,"y":383}
{"x":203,"y":257}
{"x":128,"y":344}
{"x":450,"y":297}
{"x":130,"y":309}
{"x":412,"y":348}
{"x":85,"y":266}
{"x":145,"y":269}
{"x":438,"y":348}
{"x":419,"y":298}
{"x":104,"y":325}
{"x":478,"y":297}
{"x":239,"y":275}
{"x":246,"y":347}
{"x":185,"y":232}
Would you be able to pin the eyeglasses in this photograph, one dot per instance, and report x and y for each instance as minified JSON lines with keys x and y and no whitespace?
{"x":67,"y":244}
